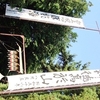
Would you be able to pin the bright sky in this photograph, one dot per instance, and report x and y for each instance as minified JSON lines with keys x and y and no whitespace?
{"x":87,"y":47}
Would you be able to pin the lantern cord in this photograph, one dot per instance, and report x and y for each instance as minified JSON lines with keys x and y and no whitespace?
{"x":5,"y":45}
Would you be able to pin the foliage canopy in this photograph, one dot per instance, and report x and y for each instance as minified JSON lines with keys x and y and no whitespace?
{"x":44,"y":42}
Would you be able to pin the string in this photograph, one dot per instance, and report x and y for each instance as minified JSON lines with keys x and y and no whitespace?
{"x":5,"y":45}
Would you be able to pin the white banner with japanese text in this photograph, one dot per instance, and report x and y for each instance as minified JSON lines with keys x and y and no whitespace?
{"x":38,"y":16}
{"x":54,"y":79}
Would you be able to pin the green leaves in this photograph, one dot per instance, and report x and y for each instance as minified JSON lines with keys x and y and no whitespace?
{"x":45,"y":41}
{"x":3,"y":86}
{"x":84,"y":94}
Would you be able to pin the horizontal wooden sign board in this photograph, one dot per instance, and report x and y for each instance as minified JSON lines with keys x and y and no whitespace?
{"x":53,"y":79}
{"x":44,"y":17}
